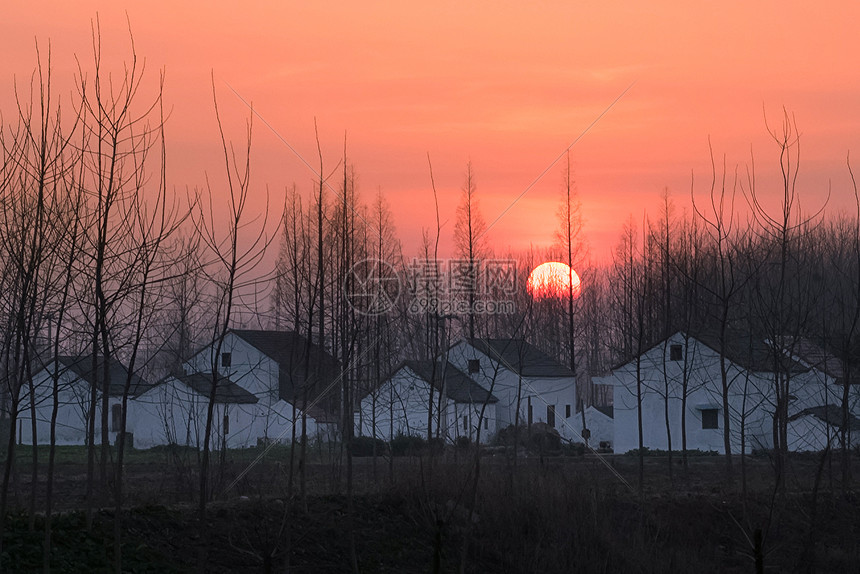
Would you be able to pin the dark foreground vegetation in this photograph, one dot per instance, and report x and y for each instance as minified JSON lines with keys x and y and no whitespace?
{"x":532,"y":514}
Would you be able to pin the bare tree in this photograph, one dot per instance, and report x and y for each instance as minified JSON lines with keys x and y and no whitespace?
{"x":470,"y":240}
{"x":234,"y":251}
{"x":569,"y":238}
{"x":781,"y":292}
{"x":36,"y":173}
{"x":725,"y":286}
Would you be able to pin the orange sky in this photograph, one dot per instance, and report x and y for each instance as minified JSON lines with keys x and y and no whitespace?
{"x":508,"y":85}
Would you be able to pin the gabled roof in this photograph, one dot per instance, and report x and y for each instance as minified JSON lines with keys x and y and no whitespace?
{"x":817,"y":357}
{"x":521,"y":357}
{"x":301,"y":366}
{"x":458,"y":385}
{"x":82,"y":367}
{"x":226,"y":391}
{"x":608,"y":410}
{"x":831,"y":414}
{"x":745,"y":350}
{"x":751,"y":352}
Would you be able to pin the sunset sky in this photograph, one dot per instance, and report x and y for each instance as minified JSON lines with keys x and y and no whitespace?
{"x":507,"y":85}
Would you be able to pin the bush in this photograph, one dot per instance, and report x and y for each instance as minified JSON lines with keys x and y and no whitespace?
{"x":463,"y":442}
{"x":407,"y":445}
{"x":537,"y":438}
{"x":574,"y":449}
{"x":659,"y":452}
{"x":543,"y":439}
{"x":437,"y":445}
{"x":364,"y":446}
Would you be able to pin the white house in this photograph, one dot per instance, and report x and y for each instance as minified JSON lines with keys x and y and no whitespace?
{"x":601,"y":426}
{"x":266,"y":380}
{"x":684,"y":362}
{"x":524,"y":379}
{"x":816,"y":428}
{"x":174,"y":412}
{"x":75,"y":379}
{"x":401,"y":404}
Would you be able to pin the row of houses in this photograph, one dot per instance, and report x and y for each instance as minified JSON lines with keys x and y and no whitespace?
{"x":266,"y":380}
{"x":271,"y":381}
{"x":680,"y":383}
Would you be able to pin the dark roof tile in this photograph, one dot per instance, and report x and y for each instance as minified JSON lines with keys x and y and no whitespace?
{"x":82,"y":366}
{"x":458,"y":385}
{"x":521,"y":357}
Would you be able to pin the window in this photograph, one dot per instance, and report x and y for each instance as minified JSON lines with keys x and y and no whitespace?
{"x":550,"y":415}
{"x":486,"y":424}
{"x":226,"y":360}
{"x":115,"y":417}
{"x":474,"y":366}
{"x":676,"y":353}
{"x":567,"y":411}
{"x":710,"y":418}
{"x":530,"y":411}
{"x":465,"y":423}
{"x":226,"y":424}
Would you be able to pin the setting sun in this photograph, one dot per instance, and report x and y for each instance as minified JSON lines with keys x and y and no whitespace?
{"x":553,"y":279}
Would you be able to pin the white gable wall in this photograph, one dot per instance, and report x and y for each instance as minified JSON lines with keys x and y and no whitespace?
{"x":173,"y":413}
{"x":750,"y":399}
{"x":601,"y":426}
{"x":249,"y":368}
{"x":511,"y":390}
{"x":258,"y":374}
{"x":400,"y":406}
{"x":74,"y":404}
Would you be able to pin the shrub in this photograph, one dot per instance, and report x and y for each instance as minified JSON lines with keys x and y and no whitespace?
{"x":537,"y":438}
{"x":542,"y":438}
{"x":407,"y":445}
{"x":437,"y":445}
{"x":364,"y":446}
{"x":659,"y":452}
{"x":574,"y":449}
{"x":463,"y":442}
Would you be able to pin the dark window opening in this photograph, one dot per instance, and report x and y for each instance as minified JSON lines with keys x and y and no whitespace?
{"x":226,"y":424}
{"x":550,"y":415}
{"x":115,"y":418}
{"x":567,"y":411}
{"x":465,"y":423}
{"x":486,"y":424}
{"x":530,"y":411}
{"x":474,"y":366}
{"x":226,"y":360}
{"x":710,"y":418}
{"x":676,"y":353}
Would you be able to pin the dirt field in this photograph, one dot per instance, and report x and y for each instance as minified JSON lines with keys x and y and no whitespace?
{"x":558,"y":514}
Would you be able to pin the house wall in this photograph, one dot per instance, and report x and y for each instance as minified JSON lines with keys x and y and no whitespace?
{"x":399,"y":406}
{"x":601,"y":426}
{"x":249,"y":368}
{"x":750,"y":399}
{"x":810,"y":433}
{"x":73,"y":406}
{"x":510,"y":388}
{"x":174,"y":413}
{"x":258,"y":374}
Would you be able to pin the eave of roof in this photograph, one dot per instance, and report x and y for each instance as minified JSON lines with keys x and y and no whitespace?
{"x":521,"y":357}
